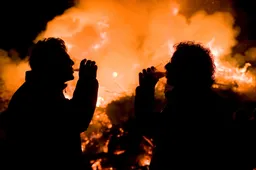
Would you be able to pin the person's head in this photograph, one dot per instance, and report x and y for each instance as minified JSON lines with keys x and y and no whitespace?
{"x":191,"y":65}
{"x":49,"y":58}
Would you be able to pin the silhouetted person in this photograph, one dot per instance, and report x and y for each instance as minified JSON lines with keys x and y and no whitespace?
{"x":43,"y":126}
{"x":188,"y":133}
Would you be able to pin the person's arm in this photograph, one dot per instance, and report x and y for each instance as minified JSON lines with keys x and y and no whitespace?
{"x":85,"y":95}
{"x":144,"y":103}
{"x":146,"y":119}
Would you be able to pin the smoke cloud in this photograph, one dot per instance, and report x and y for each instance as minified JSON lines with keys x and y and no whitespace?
{"x":125,"y":36}
{"x":12,"y":72}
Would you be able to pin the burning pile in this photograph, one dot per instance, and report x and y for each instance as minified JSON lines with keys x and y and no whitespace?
{"x":126,"y":36}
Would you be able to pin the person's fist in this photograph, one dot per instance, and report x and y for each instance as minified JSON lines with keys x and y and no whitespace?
{"x":88,"y":69}
{"x":149,"y":77}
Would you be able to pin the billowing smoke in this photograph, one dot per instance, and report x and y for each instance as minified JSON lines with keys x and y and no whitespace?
{"x":12,"y":71}
{"x":126,"y":36}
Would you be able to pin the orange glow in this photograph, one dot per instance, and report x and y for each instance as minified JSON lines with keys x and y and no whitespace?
{"x":123,"y":38}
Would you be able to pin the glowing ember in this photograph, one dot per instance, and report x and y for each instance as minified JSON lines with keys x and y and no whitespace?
{"x":99,"y":101}
{"x":144,"y":161}
{"x":96,"y":165}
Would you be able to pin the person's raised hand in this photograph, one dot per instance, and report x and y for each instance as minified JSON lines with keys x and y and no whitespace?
{"x":148,"y":78}
{"x":88,"y":69}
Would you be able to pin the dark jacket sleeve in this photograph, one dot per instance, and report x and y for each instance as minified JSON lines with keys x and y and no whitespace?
{"x":84,"y":101}
{"x":146,"y":118}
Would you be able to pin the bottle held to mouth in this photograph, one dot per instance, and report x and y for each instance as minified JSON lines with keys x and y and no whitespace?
{"x":160,"y":74}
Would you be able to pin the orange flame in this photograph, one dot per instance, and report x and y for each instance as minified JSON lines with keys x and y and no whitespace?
{"x":123,"y":41}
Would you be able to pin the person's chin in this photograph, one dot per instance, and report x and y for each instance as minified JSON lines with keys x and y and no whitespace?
{"x":70,"y":77}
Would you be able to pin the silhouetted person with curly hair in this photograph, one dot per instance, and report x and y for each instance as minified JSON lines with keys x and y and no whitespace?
{"x":188,"y":133}
{"x":43,"y":126}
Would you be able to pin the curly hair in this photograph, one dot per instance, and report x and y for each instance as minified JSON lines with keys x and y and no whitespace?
{"x":192,"y":63}
{"x":45,"y":51}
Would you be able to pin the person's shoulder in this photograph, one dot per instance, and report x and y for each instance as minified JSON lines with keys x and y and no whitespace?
{"x":21,"y":94}
{"x":223,"y":97}
{"x":225,"y":105}
{"x":23,"y":89}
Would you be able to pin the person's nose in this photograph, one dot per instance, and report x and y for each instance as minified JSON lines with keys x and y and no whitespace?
{"x":71,"y":62}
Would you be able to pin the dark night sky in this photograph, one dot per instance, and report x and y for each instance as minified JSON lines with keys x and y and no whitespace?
{"x":22,"y":20}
